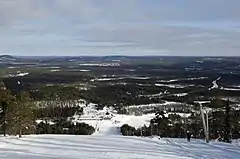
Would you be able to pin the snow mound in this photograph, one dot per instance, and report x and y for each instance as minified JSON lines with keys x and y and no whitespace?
{"x":111,"y":147}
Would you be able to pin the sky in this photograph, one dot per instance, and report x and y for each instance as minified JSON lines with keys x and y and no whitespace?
{"x":120,"y":27}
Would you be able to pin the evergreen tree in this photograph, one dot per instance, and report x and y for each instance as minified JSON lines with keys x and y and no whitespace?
{"x":227,"y":125}
{"x":22,"y":115}
{"x":5,"y":103}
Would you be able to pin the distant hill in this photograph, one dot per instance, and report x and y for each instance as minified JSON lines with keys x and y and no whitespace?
{"x":7,"y":57}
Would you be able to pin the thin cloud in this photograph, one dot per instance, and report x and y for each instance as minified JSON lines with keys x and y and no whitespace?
{"x":127,"y":27}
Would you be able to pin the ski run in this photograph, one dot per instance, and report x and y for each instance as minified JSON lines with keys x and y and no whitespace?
{"x":112,"y":147}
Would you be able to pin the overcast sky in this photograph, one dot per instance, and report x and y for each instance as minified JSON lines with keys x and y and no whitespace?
{"x":120,"y":27}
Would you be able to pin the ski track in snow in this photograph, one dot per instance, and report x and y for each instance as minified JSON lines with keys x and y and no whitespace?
{"x":111,"y":147}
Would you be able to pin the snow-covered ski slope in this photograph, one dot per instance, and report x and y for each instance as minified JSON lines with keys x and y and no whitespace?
{"x":108,"y":122}
{"x":108,"y":143}
{"x":111,"y":147}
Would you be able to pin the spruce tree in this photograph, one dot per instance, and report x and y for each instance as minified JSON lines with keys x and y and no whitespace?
{"x":22,"y":114}
{"x":6,"y":101}
{"x":227,"y":125}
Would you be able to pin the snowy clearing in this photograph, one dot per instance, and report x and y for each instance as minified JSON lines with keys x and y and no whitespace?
{"x":108,"y":122}
{"x":154,"y":95}
{"x":55,"y":70}
{"x":106,"y":79}
{"x":19,"y":74}
{"x":112,"y":126}
{"x":135,"y":121}
{"x":101,"y":64}
{"x":184,"y":115}
{"x":236,"y":86}
{"x":182,"y":79}
{"x":173,"y":85}
{"x":181,"y":94}
{"x":230,"y":89}
{"x":166,"y":103}
{"x":139,"y":78}
{"x":22,"y":74}
{"x":112,"y":147}
{"x":84,"y":70}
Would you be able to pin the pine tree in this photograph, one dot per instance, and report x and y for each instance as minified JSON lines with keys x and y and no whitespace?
{"x":227,"y":125}
{"x":22,"y":114}
{"x":6,"y":101}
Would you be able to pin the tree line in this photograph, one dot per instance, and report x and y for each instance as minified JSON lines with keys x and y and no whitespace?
{"x":223,"y":125}
{"x":19,"y":113}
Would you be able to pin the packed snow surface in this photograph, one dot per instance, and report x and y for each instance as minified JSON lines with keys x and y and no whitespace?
{"x":112,"y":147}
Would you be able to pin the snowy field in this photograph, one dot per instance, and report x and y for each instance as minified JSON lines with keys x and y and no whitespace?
{"x":111,"y":147}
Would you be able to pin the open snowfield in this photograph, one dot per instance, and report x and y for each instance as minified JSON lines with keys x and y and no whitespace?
{"x":110,"y":124}
{"x":111,"y":147}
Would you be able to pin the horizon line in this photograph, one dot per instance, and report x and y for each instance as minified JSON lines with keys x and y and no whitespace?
{"x":115,"y":56}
